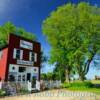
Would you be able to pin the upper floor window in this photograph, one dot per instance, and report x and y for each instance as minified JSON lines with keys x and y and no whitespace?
{"x":31,"y":56}
{"x":17,"y":54}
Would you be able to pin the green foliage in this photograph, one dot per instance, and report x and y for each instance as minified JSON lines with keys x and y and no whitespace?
{"x":66,"y":85}
{"x":44,"y":58}
{"x":78,"y":84}
{"x":43,"y":76}
{"x":73,"y":31}
{"x":50,"y":76}
{"x":59,"y":72}
{"x":23,"y":91}
{"x":8,"y":28}
{"x":27,"y":35}
{"x":82,"y":84}
{"x":47,"y":76}
{"x":2,"y":93}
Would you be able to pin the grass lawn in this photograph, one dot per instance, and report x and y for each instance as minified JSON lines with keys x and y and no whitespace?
{"x":93,"y":90}
{"x":95,"y":81}
{"x":79,"y":86}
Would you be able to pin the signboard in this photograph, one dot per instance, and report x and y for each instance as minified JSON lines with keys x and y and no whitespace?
{"x":23,"y":62}
{"x":26,"y":45}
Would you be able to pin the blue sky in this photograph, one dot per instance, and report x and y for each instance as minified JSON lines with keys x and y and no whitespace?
{"x":30,"y":14}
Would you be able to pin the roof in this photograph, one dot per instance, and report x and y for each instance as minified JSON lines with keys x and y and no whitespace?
{"x":21,"y":37}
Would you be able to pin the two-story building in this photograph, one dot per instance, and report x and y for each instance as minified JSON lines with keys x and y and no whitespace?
{"x":20,"y":60}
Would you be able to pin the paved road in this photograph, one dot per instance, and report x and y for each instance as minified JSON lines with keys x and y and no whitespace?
{"x":56,"y":95}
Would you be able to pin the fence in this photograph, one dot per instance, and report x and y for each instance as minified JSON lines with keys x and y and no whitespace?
{"x":12,"y":88}
{"x":52,"y":84}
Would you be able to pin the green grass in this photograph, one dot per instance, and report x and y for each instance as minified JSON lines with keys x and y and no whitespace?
{"x":93,"y":90}
{"x":95,"y":81}
{"x":86,"y":86}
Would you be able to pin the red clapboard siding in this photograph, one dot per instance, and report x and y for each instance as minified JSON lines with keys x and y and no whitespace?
{"x":3,"y":63}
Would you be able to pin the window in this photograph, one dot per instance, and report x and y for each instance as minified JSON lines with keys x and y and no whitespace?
{"x":31,"y":57}
{"x":22,"y":69}
{"x":19,"y":77}
{"x":23,"y":78}
{"x":11,"y":78}
{"x":18,"y":54}
{"x":35,"y":70}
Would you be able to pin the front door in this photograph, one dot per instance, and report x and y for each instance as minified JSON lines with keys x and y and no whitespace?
{"x":33,"y":82}
{"x":28,"y":76}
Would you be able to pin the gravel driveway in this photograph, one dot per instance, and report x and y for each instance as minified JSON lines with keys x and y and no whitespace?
{"x":56,"y":95}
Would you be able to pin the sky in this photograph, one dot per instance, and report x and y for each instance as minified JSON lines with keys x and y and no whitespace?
{"x":30,"y":14}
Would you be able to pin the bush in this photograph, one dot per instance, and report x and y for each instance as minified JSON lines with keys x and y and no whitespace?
{"x":65,"y":85}
{"x":2,"y":93}
{"x":23,"y":91}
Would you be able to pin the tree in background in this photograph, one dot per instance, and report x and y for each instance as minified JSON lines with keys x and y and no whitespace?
{"x":8,"y":28}
{"x":50,"y":76}
{"x":43,"y":76}
{"x":73,"y":32}
{"x":59,"y":72}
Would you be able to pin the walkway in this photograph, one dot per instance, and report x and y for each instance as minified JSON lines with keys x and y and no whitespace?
{"x":56,"y":95}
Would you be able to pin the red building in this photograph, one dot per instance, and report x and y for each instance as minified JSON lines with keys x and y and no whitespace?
{"x":20,"y":60}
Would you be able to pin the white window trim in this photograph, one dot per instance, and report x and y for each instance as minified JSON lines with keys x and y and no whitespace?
{"x":14,"y":53}
{"x":21,"y":54}
{"x":30,"y":54}
{"x":35,"y":57}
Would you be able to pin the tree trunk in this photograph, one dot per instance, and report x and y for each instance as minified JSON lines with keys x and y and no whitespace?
{"x":67,"y":76}
{"x":81,"y":77}
{"x":83,"y":72}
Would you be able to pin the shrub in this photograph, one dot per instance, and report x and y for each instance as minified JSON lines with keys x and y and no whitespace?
{"x":2,"y":93}
{"x":23,"y":91}
{"x":65,"y":85}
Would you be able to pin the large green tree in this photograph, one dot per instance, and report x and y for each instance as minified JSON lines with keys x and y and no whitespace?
{"x":8,"y":28}
{"x":73,"y":32}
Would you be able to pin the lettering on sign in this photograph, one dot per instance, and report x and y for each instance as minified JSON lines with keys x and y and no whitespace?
{"x":23,"y":62}
{"x":26,"y":45}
